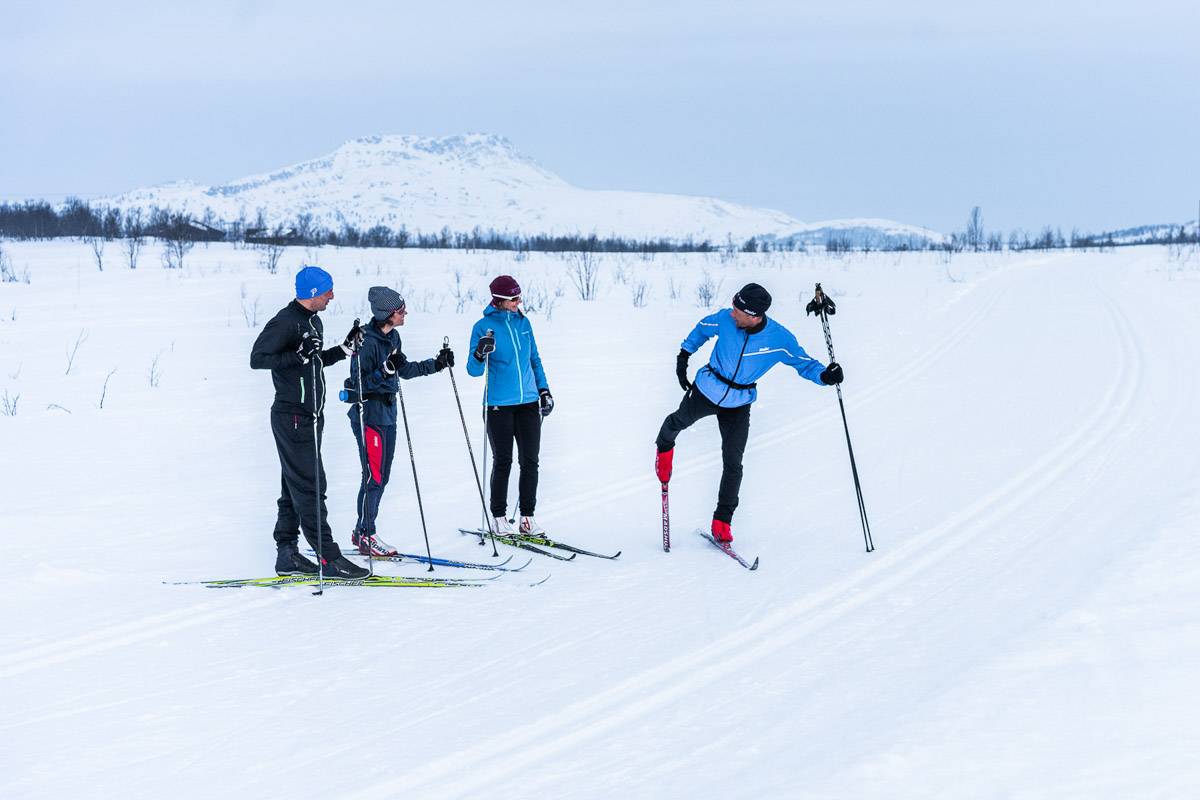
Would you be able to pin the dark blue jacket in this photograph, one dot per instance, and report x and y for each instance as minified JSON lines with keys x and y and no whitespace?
{"x":379,"y":388}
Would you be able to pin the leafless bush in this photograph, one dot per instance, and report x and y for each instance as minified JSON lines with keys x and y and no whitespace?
{"x":8,"y":404}
{"x":154,"y":374}
{"x":80,"y":339}
{"x":584,"y":270}
{"x":249,"y":310}
{"x":620,"y":274}
{"x":7,"y":274}
{"x":673,"y":288}
{"x":707,"y":290}
{"x":175,"y":247}
{"x":461,"y":298}
{"x":639,"y":292}
{"x":104,"y":388}
{"x":133,"y":248}
{"x":96,"y":243}
{"x":269,"y":255}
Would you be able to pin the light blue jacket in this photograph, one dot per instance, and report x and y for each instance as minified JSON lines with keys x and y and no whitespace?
{"x":743,"y":357}
{"x":515,"y":370}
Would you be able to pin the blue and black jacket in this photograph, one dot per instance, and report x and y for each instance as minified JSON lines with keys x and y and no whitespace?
{"x":378,"y":387}
{"x":515,"y":373}
{"x":741,"y":356}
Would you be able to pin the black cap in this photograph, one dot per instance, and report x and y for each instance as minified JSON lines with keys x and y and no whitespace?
{"x":753,"y":299}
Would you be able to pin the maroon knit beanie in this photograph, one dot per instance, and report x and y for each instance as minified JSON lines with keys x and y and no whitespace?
{"x":505,"y":287}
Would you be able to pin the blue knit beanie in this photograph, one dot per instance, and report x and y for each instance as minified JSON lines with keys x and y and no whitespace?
{"x":312,"y":281}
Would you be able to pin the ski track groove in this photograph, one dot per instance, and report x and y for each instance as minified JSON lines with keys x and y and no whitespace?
{"x":114,"y":636}
{"x":606,"y":711}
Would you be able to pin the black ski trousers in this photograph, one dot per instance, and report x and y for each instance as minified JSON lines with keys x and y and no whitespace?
{"x":299,"y":458}
{"x":522,"y":423}
{"x":734,"y":424}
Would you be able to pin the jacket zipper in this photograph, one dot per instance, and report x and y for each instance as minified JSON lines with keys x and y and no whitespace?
{"x":517,"y":358}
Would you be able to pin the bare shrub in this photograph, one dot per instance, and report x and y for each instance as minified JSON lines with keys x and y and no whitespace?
{"x":80,"y":339}
{"x":269,"y":255}
{"x":638,"y":293}
{"x":8,"y":404}
{"x":154,"y":374}
{"x":584,"y":270}
{"x":104,"y":388}
{"x":707,"y":290}
{"x":96,"y":244}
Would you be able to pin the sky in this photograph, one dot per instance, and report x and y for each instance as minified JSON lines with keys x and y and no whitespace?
{"x":1072,"y":114}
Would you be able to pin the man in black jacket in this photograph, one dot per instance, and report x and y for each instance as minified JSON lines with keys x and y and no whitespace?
{"x":291,"y":346}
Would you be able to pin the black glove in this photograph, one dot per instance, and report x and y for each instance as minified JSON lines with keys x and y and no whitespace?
{"x":832,"y":374}
{"x":681,"y":364}
{"x":545,"y":402}
{"x":445,"y":358}
{"x":486,"y":344}
{"x":310,"y":346}
{"x":393,"y":362}
{"x":354,"y":339}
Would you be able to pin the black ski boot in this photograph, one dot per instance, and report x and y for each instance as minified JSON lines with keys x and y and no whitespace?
{"x":288,"y":561}
{"x":341,"y":567}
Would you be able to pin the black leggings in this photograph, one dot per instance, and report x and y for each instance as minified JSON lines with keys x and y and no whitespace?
{"x":734,"y":424}
{"x":522,"y":423}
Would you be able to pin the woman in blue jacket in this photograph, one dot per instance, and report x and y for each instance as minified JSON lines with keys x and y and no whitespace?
{"x":748,"y":344}
{"x":517,"y":398}
{"x":381,"y":364}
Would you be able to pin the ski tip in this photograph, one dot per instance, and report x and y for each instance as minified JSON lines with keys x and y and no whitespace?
{"x":543,"y":580}
{"x":523,"y":566}
{"x":572,"y":558}
{"x":615,"y":555}
{"x":754,"y":566}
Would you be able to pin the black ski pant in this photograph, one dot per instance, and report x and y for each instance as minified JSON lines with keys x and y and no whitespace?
{"x":734,"y":424}
{"x":299,"y":457}
{"x":376,"y":462}
{"x":522,"y":423}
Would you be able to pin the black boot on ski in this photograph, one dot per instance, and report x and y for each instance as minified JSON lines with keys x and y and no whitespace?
{"x":341,"y":567}
{"x":288,"y":561}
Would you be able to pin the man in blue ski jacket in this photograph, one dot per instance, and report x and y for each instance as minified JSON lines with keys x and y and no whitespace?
{"x":381,"y":364}
{"x":517,"y":398}
{"x":748,"y":344}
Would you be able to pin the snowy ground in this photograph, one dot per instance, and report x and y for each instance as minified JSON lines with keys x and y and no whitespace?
{"x":1026,"y":432}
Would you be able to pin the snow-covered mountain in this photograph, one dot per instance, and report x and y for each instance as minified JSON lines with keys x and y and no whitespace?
{"x":464,"y":182}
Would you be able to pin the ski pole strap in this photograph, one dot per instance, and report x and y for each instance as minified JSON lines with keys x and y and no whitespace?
{"x":729,"y":383}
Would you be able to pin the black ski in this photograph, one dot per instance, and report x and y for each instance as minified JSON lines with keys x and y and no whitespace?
{"x":728,"y":550}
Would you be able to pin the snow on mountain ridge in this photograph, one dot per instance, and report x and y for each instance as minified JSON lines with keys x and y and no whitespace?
{"x":462,"y":182}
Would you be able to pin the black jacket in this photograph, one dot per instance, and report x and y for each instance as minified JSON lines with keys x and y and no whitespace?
{"x":275,"y":349}
{"x":377,"y":384}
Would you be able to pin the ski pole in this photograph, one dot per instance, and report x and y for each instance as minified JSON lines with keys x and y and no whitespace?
{"x":416,"y":484}
{"x":471,"y":452}
{"x":316,"y":361}
{"x":823,"y":306}
{"x":362,"y":435}
{"x":483,"y":444}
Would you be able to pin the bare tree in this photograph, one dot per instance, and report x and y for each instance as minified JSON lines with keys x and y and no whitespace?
{"x":177,"y":241}
{"x":269,"y":255}
{"x":104,"y":389}
{"x":707,"y":290}
{"x":8,"y":404}
{"x":80,"y":339}
{"x":975,"y":237}
{"x":96,"y":243}
{"x":584,"y":271}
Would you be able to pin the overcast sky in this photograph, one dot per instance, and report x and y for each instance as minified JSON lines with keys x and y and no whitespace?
{"x":1062,"y":112}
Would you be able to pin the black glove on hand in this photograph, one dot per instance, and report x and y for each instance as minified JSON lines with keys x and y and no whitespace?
{"x":393,"y":362}
{"x":681,"y":364}
{"x":445,"y":358}
{"x":309,"y":347}
{"x":486,"y":344}
{"x":545,"y":402}
{"x":354,"y":339}
{"x":832,"y":374}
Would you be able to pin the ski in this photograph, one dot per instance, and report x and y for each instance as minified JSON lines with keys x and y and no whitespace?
{"x":439,"y":562}
{"x":728,"y":550}
{"x":544,"y":541}
{"x":386,"y":581}
{"x":512,"y":542}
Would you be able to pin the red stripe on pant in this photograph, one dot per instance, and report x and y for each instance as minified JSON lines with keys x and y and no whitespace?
{"x":375,"y":454}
